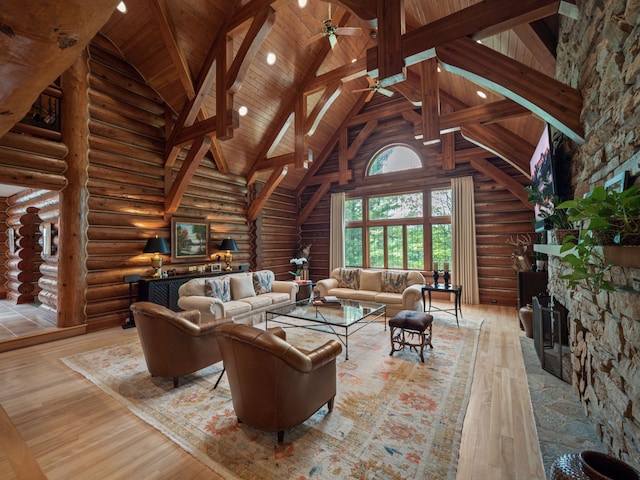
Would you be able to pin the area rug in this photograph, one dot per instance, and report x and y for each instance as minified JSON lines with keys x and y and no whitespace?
{"x":394,"y":417}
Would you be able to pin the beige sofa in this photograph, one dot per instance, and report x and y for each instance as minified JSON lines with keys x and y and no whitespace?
{"x":397,"y":289}
{"x":243,"y":296}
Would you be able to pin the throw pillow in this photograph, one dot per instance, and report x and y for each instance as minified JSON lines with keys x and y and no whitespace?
{"x":262,"y":281}
{"x":370,"y":280}
{"x":218,"y":288}
{"x":242,"y":286}
{"x":394,"y":282}
{"x":349,"y":278}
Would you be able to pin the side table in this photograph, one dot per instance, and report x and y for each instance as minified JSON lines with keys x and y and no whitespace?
{"x":441,"y":287}
{"x":305,"y":288}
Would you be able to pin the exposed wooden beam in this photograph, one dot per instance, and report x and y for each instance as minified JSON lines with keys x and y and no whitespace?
{"x":501,"y":142}
{"x":331,"y":93}
{"x":39,"y":43}
{"x":189,"y":166}
{"x":549,"y":99}
{"x":365,"y":9}
{"x":545,"y":57}
{"x":311,"y":205}
{"x":508,"y":182}
{"x":391,"y":27}
{"x":272,"y":183}
{"x":345,"y":73}
{"x":325,"y":177}
{"x":300,"y":114}
{"x":543,"y":11}
{"x":481,"y":114}
{"x":224,"y":98}
{"x":365,"y":133}
{"x":218,"y":156}
{"x":448,"y":146}
{"x":419,"y":44}
{"x":430,"y":102}
{"x":206,"y":127}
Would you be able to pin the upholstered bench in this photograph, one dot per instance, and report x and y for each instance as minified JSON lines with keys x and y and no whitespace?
{"x":405,"y":326}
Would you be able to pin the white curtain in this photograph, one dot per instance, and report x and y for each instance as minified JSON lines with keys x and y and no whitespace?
{"x":463,"y":239}
{"x":336,"y":232}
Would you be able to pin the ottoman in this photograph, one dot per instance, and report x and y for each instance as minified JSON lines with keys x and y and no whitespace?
{"x":412,"y":329}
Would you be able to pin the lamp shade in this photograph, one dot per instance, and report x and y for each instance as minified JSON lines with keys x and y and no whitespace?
{"x":156,"y":245}
{"x":229,"y":244}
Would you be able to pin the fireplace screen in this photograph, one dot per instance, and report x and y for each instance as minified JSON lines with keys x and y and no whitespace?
{"x":550,"y":337}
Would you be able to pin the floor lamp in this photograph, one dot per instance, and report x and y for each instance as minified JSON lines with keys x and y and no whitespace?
{"x":130,"y":279}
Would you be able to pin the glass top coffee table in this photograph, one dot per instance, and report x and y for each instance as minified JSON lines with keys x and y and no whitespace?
{"x":342,"y":319}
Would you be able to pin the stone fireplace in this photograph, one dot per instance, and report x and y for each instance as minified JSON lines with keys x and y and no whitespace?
{"x":604,"y":345}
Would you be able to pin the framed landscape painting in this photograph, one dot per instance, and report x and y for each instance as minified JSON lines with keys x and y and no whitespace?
{"x":189,"y":239}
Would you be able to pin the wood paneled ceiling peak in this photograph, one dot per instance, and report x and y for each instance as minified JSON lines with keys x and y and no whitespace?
{"x":187,"y":50}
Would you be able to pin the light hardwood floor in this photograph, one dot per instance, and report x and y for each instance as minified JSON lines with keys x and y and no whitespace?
{"x":72,"y":430}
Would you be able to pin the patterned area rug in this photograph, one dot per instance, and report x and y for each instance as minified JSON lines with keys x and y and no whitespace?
{"x":394,"y":417}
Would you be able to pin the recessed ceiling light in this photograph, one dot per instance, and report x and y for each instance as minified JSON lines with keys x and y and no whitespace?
{"x":122,"y":8}
{"x":302,"y":3}
{"x":354,"y":60}
{"x":271,"y":58}
{"x":438,"y":68}
{"x":481,"y":94}
{"x":243,"y":111}
{"x":479,"y":41}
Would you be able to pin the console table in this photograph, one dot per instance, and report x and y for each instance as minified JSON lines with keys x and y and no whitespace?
{"x":441,"y":287}
{"x":164,"y":291}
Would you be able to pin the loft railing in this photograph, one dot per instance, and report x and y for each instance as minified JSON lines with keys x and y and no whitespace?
{"x":43,"y":119}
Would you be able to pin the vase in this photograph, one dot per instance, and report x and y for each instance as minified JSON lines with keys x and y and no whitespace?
{"x":526,"y":319}
{"x":590,"y":465}
{"x":296,"y":278}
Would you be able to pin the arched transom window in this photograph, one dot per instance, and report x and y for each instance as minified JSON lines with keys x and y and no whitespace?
{"x":394,"y":158}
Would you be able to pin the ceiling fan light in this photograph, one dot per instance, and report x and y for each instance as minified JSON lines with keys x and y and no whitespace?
{"x":302,"y":3}
{"x":271,"y":58}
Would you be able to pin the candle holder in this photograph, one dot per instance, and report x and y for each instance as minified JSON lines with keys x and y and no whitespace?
{"x":446,"y":278}
{"x":436,"y":275}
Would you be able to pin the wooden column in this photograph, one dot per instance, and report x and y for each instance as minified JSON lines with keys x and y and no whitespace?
{"x":72,"y":253}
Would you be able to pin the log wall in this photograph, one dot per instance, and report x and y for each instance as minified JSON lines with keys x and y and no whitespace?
{"x":126,"y":188}
{"x":4,"y":248}
{"x":499,"y":216}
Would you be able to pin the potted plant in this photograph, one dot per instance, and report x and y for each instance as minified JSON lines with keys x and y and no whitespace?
{"x":554,"y":216}
{"x":608,"y":218}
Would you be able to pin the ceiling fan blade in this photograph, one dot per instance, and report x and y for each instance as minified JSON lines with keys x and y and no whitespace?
{"x":333,"y":41}
{"x":361,"y":90}
{"x":386,"y":92}
{"x":371,"y":81}
{"x":313,"y":39}
{"x":312,"y":21}
{"x":354,"y":31}
{"x":370,"y":96}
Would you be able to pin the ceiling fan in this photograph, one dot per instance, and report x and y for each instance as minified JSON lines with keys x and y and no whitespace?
{"x":330,"y":30}
{"x":374,"y":86}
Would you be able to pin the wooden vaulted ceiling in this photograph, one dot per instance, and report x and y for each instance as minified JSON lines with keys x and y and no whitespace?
{"x":206,"y":58}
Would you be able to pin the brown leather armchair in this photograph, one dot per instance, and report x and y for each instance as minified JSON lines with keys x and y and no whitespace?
{"x":175,"y":343}
{"x":274,"y":385}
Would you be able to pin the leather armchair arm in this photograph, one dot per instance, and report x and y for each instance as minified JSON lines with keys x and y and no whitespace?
{"x":278,"y":332}
{"x":323,"y":286}
{"x":209,"y":326}
{"x":324,"y":354}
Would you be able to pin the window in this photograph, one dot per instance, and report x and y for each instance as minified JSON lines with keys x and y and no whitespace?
{"x":394,"y":159}
{"x":392,"y":231}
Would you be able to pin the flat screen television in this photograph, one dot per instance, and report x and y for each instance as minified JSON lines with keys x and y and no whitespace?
{"x":542,"y":177}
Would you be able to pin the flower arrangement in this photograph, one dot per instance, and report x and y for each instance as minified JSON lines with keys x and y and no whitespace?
{"x":298,"y":262}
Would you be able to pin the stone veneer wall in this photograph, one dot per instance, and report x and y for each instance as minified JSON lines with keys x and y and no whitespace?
{"x":599,"y":53}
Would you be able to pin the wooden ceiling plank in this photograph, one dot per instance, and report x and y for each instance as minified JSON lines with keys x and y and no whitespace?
{"x":419,"y":44}
{"x":345,"y":73}
{"x":362,"y":136}
{"x":430,"y":102}
{"x":543,"y":11}
{"x":300,"y":114}
{"x":508,"y":182}
{"x":247,"y":11}
{"x":188,"y":168}
{"x":271,"y":184}
{"x":549,"y":99}
{"x":501,"y":142}
{"x":365,"y":9}
{"x":391,"y":27}
{"x":218,"y":156}
{"x":313,"y":202}
{"x":331,"y":93}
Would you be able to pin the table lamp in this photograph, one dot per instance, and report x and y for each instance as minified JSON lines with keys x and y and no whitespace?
{"x":157,"y":246}
{"x":228,"y":244}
